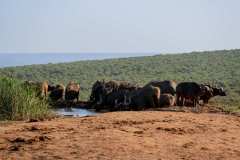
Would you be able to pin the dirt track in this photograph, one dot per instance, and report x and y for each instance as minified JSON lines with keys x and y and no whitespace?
{"x":125,"y":135}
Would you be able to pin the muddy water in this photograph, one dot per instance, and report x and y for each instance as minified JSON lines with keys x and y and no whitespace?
{"x":74,"y":112}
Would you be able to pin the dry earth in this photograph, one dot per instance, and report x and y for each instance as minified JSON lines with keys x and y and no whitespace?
{"x":148,"y":135}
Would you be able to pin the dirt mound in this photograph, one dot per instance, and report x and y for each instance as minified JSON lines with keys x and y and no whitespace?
{"x":125,"y":135}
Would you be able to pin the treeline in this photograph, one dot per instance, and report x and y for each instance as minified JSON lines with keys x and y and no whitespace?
{"x":215,"y":67}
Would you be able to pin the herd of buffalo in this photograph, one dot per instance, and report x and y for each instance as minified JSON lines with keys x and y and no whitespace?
{"x":122,"y":95}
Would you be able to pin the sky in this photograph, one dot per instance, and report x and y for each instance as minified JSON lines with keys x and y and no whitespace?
{"x":118,"y":26}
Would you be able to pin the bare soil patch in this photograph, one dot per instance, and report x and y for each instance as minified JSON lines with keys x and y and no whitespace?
{"x":125,"y":135}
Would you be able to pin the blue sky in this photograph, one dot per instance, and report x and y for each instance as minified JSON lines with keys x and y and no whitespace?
{"x":146,"y":26}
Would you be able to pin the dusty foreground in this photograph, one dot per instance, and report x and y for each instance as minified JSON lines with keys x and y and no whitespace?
{"x":124,"y":135}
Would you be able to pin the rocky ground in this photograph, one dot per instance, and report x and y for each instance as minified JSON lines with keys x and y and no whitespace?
{"x":147,"y":135}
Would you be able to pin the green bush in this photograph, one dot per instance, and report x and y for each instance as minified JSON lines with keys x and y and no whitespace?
{"x":18,"y":102}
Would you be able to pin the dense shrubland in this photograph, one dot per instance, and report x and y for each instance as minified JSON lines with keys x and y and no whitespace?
{"x":220,"y":68}
{"x":19,"y":102}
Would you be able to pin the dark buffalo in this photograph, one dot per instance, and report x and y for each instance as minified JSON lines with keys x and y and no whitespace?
{"x":211,"y":92}
{"x":51,"y":87}
{"x":219,"y":92}
{"x":189,"y":91}
{"x":167,"y":86}
{"x":94,"y":95}
{"x":166,"y":100}
{"x":147,"y":96}
{"x":72,"y":91}
{"x":56,"y":92}
{"x":118,"y":96}
{"x":124,"y":85}
{"x":118,"y":100}
{"x":98,"y":92}
{"x":112,"y":86}
{"x":207,"y":95}
{"x":109,"y":93}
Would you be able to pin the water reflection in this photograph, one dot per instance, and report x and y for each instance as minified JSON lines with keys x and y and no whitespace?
{"x":74,"y":112}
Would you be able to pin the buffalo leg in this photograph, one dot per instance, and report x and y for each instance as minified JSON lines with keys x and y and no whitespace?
{"x":156,"y":101}
{"x":194,"y":102}
{"x":177,"y":99}
{"x":151,"y":102}
{"x":183,"y":101}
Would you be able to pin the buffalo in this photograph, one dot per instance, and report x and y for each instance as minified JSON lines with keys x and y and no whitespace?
{"x":56,"y":92}
{"x":120,"y":95}
{"x":98,"y":91}
{"x":110,"y":94}
{"x":189,"y":91}
{"x":147,"y":96}
{"x":72,"y":91}
{"x":41,"y":88}
{"x":118,"y":100}
{"x":166,"y":86}
{"x":166,"y":100}
{"x":211,"y":92}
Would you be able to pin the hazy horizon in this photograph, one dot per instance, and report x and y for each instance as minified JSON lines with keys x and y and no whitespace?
{"x":20,"y":59}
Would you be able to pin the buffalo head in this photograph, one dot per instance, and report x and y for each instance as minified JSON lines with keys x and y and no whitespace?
{"x":219,"y":92}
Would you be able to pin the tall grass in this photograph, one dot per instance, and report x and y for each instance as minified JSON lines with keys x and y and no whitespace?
{"x":19,"y":102}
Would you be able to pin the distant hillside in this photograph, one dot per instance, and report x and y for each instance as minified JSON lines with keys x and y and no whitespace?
{"x":218,"y":67}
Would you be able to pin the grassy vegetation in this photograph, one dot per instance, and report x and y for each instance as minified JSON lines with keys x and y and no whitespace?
{"x":216,"y":67}
{"x":17,"y":102}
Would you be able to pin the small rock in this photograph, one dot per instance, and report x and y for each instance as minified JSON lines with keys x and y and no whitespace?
{"x":14,"y":148}
{"x":33,"y":120}
{"x":138,"y":132}
{"x":18,"y":140}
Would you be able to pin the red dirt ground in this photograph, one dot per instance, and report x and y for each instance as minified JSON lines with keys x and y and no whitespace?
{"x":147,"y":135}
